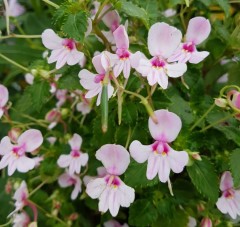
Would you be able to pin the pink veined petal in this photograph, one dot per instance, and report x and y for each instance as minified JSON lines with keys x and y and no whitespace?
{"x":111,"y":18}
{"x":162,"y":79}
{"x":231,"y":208}
{"x":87,"y":79}
{"x":72,"y":167}
{"x":115,"y":158}
{"x":177,"y":53}
{"x":29,"y":78}
{"x":126,"y":68}
{"x":153,"y":76}
{"x":96,"y":187}
{"x":121,"y":37}
{"x":74,"y":57}
{"x":108,"y":60}
{"x":198,"y":30}
{"x":103,"y":200}
{"x":222,"y":205}
{"x":184,"y":57}
{"x":118,"y":68}
{"x":144,"y":67}
{"x":113,"y":202}
{"x":168,"y":127}
{"x":139,"y":152}
{"x":163,"y":39}
{"x":55,"y":54}
{"x":77,"y":188}
{"x":24,"y":164}
{"x":3,"y":95}
{"x":176,"y":70}
{"x":84,"y":159}
{"x":197,"y":56}
{"x":75,"y":142}
{"x":31,"y":139}
{"x":12,"y":166}
{"x":98,"y":64}
{"x":177,"y":160}
{"x":126,"y":195}
{"x":21,"y":192}
{"x":62,"y":59}
{"x":51,"y":40}
{"x":5,"y":145}
{"x":152,"y":166}
{"x":164,"y":169}
{"x":6,"y":159}
{"x":64,"y":180}
{"x":226,"y":181}
{"x":64,"y":160}
{"x":135,"y":59}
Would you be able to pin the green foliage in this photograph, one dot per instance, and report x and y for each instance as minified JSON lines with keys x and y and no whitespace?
{"x":204,"y":178}
{"x":235,"y":167}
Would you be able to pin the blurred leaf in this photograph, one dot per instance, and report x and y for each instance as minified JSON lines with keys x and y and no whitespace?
{"x":225,"y":6}
{"x":69,"y":81}
{"x":235,"y":167}
{"x":129,"y":113}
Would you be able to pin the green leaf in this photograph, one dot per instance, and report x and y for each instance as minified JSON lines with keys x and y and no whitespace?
{"x":135,"y":176}
{"x":142,"y":213}
{"x":204,"y":178}
{"x":225,"y":6}
{"x":69,"y":81}
{"x":76,"y":26}
{"x":235,"y":166}
{"x":129,"y":113}
{"x":231,"y":133}
{"x":134,"y":11}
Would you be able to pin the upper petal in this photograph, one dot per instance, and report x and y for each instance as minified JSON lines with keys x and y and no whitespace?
{"x":115,"y":158}
{"x":64,"y":180}
{"x":226,"y":181}
{"x":3,"y":95}
{"x":31,"y":139}
{"x":98,"y":64}
{"x":75,"y":142}
{"x":163,"y":39}
{"x":139,"y":152}
{"x":167,"y":128}
{"x":110,"y":19}
{"x":51,"y":40}
{"x":198,"y":30}
{"x":121,"y":37}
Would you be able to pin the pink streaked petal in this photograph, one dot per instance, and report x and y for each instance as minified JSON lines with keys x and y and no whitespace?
{"x":5,"y":145}
{"x":87,"y":79}
{"x":139,"y":152}
{"x":118,"y":68}
{"x":74,"y":57}
{"x":126,"y":194}
{"x":98,"y":64}
{"x":115,"y":158}
{"x":169,"y":37}
{"x":91,"y":93}
{"x":113,"y":202}
{"x":121,"y":37}
{"x":62,"y":59}
{"x":21,"y":192}
{"x":144,"y":67}
{"x":6,"y":159}
{"x":108,"y":60}
{"x":226,"y":181}
{"x":184,"y":57}
{"x":12,"y":166}
{"x":167,"y":128}
{"x":103,"y":200}
{"x":24,"y":164}
{"x":164,"y":170}
{"x":64,"y":180}
{"x":3,"y":95}
{"x":126,"y":68}
{"x":177,"y":160}
{"x":55,"y":55}
{"x":111,"y":18}
{"x":31,"y":139}
{"x":198,"y":30}
{"x":153,"y":76}
{"x":162,"y":79}
{"x":96,"y":187}
{"x":109,"y":36}
{"x":51,"y":40}
{"x":152,"y":166}
{"x":77,"y":188}
{"x":177,"y":53}
{"x":64,"y":161}
{"x":75,"y":142}
{"x":84,"y":159}
{"x":197,"y":56}
{"x":135,"y":59}
{"x":176,"y":70}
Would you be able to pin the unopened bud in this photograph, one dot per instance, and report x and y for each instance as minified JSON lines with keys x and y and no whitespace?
{"x":196,"y":156}
{"x":200,"y":207}
{"x":220,"y":102}
{"x":34,"y":72}
{"x":33,"y":224}
{"x":64,"y":112}
{"x":53,"y":115}
{"x":8,"y":187}
{"x":206,"y":222}
{"x":13,"y":134}
{"x":73,"y":216}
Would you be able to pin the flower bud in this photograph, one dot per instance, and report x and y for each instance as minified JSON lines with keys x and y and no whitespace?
{"x":200,"y":207}
{"x":73,"y":216}
{"x":53,"y":115}
{"x":220,"y":102}
{"x":206,"y":222}
{"x":64,"y":112}
{"x":234,"y":97}
{"x":196,"y":156}
{"x":13,"y":134}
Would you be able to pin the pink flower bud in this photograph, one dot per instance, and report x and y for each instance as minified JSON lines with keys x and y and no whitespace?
{"x":221,"y":102}
{"x":206,"y":222}
{"x":73,"y":216}
{"x":53,"y":115}
{"x":13,"y":134}
{"x":8,"y":187}
{"x":234,"y":97}
{"x":196,"y":156}
{"x":200,"y":207}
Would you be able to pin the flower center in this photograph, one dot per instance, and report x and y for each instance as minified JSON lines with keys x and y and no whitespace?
{"x":229,"y":194}
{"x":160,"y":148}
{"x":69,"y":43}
{"x":113,"y":181}
{"x":19,"y":151}
{"x":72,"y":181}
{"x":75,"y":153}
{"x":158,"y":63}
{"x":188,"y":47}
{"x":114,"y":25}
{"x":99,"y":78}
{"x":123,"y":54}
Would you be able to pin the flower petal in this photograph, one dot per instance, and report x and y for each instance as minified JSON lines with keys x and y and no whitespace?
{"x":64,"y":180}
{"x":31,"y":139}
{"x":164,"y":170}
{"x":111,"y":19}
{"x":84,"y":159}
{"x":167,"y":128}
{"x":121,"y":37}
{"x":87,"y":80}
{"x":115,"y":158}
{"x":75,"y":142}
{"x":176,"y":70}
{"x":113,"y":202}
{"x":126,"y":195}
{"x":177,"y":160}
{"x":3,"y":95}
{"x":51,"y":40}
{"x":24,"y":164}
{"x":163,"y":39}
{"x":77,"y":188}
{"x":103,"y":200}
{"x":98,"y":64}
{"x":96,"y":187}
{"x":135,"y":59}
{"x":197,"y":56}
{"x":74,"y":57}
{"x":5,"y":145}
{"x":144,"y":67}
{"x":226,"y":181}
{"x":139,"y":152}
{"x":198,"y":30}
{"x":152,"y":166}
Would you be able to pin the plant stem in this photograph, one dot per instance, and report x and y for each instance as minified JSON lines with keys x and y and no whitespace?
{"x":128,"y":137}
{"x":7,"y":16}
{"x":203,"y":116}
{"x":14,"y":63}
{"x":51,"y":3}
{"x":20,"y":36}
{"x":217,"y":122}
{"x":37,"y":188}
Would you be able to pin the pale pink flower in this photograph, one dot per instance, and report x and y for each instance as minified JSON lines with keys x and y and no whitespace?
{"x":198,"y":30}
{"x":29,"y":78}
{"x":21,"y":220}
{"x":13,"y":134}
{"x":94,"y":9}
{"x":76,"y":159}
{"x":206,"y":222}
{"x":61,"y":95}
{"x":101,"y":172}
{"x":163,"y":40}
{"x":64,"y":51}
{"x":111,"y":191}
{"x":234,"y":96}
{"x":191,"y":222}
{"x":52,"y":140}
{"x":93,"y":82}
{"x":3,"y":99}
{"x":84,"y":106}
{"x":53,"y":117}
{"x":14,"y":155}
{"x":15,"y":9}
{"x":169,"y":12}
{"x":114,"y":223}
{"x":161,"y":157}
{"x":124,"y":60}
{"x":66,"y":180}
{"x":229,"y":202}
